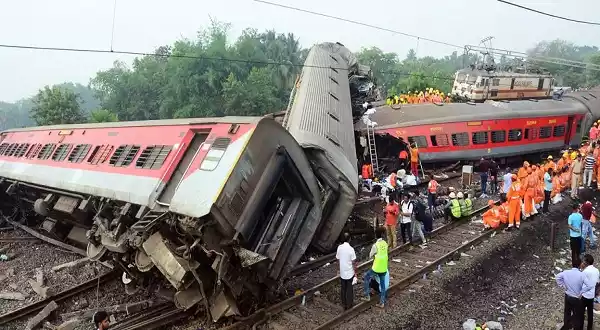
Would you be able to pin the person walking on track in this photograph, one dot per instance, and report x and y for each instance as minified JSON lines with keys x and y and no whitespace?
{"x":391,"y":221}
{"x":348,"y":268}
{"x":575,"y":220}
{"x":379,"y":253}
{"x":573,"y":282}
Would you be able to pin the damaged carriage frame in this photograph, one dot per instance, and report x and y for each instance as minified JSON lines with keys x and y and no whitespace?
{"x":206,"y":260}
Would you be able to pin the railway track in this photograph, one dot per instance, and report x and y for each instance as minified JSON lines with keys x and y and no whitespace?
{"x":61,"y":296}
{"x":319,"y":307}
{"x":153,"y":318}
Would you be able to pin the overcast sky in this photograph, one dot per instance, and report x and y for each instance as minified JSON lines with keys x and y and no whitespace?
{"x":142,"y":25}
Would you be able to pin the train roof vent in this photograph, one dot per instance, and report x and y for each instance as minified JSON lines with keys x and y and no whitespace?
{"x":153,"y":157}
{"x":471,"y":103}
{"x":221,"y":143}
{"x":585,"y":98}
{"x":533,"y":100}
{"x":592,"y":95}
{"x":124,"y":155}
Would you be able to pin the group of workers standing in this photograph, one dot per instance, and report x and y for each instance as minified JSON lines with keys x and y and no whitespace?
{"x":429,"y":95}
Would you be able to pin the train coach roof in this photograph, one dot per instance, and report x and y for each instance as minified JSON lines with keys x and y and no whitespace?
{"x":499,"y":74}
{"x":142,"y":123}
{"x":425,"y":114}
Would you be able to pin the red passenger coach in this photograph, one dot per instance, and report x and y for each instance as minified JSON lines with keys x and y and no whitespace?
{"x":218,"y":207}
{"x":469,"y":131}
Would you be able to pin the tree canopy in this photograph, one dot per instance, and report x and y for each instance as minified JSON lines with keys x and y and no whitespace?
{"x":214,"y":75}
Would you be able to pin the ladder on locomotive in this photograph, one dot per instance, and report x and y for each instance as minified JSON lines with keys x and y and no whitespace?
{"x":286,"y":117}
{"x":372,"y":147}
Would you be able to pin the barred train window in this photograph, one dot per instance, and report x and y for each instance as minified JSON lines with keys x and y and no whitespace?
{"x":153,"y":157}
{"x":22,"y":149}
{"x":460,"y":139}
{"x":420,"y":141}
{"x":100,"y":154}
{"x":124,"y":155}
{"x":480,"y":137}
{"x":79,"y":152}
{"x":498,"y":136}
{"x":545,"y":132}
{"x":3,"y":148}
{"x":33,"y":151}
{"x":61,"y":152}
{"x":515,"y":134}
{"x":46,"y":151}
{"x":559,"y":131}
{"x":439,"y":140}
{"x":11,"y":149}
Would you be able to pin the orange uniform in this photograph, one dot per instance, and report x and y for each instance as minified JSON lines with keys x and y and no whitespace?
{"x":367,"y":171}
{"x":491,"y":217}
{"x":514,"y":203}
{"x":414,"y":161}
{"x":503,"y":212}
{"x":530,"y":184}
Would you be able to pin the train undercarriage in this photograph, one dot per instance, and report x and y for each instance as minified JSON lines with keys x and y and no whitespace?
{"x":198,"y":259}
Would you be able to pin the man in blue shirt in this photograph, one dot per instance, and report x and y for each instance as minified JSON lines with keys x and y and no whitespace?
{"x":547,"y":189}
{"x":573,"y":281}
{"x":575,"y":220}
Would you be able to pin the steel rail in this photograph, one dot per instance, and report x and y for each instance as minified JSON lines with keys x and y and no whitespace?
{"x":68,"y":293}
{"x":328,"y":258}
{"x":268,"y":312}
{"x":153,"y":319}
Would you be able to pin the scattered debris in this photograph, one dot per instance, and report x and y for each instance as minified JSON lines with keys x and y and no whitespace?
{"x":123,"y":308}
{"x":41,"y":316}
{"x":12,"y":296}
{"x":70,"y":264}
{"x":463,"y":255}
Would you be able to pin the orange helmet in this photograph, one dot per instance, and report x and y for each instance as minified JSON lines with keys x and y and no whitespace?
{"x":525,"y":164}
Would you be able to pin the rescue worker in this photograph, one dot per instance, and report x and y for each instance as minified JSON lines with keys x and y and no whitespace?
{"x":391,"y":221}
{"x":550,"y":163}
{"x":491,"y":217}
{"x":379,"y":253}
{"x":530,"y":184}
{"x":466,"y":205}
{"x":514,"y":203}
{"x":367,"y":171}
{"x":403,"y":159}
{"x":522,"y":174}
{"x":414,"y":160}
{"x":594,"y":133}
{"x":576,"y":171}
{"x":452,"y":208}
{"x":393,"y":181}
{"x":432,"y":188}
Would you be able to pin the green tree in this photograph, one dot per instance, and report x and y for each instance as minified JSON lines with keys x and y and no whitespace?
{"x":54,"y":105}
{"x":102,"y":116}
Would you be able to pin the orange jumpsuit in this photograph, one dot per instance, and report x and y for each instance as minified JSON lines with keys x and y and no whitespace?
{"x":491,"y":218}
{"x":503,"y":212}
{"x":550,"y":164}
{"x":556,"y":187}
{"x":514,"y":204}
{"x":530,"y":184}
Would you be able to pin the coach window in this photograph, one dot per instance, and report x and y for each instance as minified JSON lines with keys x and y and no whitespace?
{"x":495,"y":82}
{"x":559,"y":131}
{"x":515,"y":135}
{"x":480,"y":137}
{"x":124,"y":155}
{"x":22,"y":149}
{"x":439,"y":140}
{"x":100,"y":154}
{"x":33,"y":151}
{"x":420,"y":141}
{"x":46,"y":151}
{"x":153,"y":157}
{"x":578,"y":129}
{"x":61,"y":152}
{"x":11,"y":149}
{"x":545,"y":132}
{"x":79,"y":152}
{"x":498,"y":136}
{"x":460,"y":139}
{"x":531,"y":133}
{"x":3,"y":148}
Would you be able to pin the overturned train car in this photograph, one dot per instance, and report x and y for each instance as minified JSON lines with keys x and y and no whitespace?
{"x":330,"y":94}
{"x":219,"y":207}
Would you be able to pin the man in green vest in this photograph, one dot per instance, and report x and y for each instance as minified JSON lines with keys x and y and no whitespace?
{"x":379,"y":253}
{"x":452,"y":208}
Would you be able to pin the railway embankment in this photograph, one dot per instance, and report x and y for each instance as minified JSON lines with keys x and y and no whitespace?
{"x":508,"y":278}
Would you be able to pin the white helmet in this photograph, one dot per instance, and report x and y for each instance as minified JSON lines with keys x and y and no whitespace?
{"x":452,"y":195}
{"x":460,"y":195}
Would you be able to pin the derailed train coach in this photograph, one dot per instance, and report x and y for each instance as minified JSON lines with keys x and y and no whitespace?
{"x":219,"y":207}
{"x":330,"y":94}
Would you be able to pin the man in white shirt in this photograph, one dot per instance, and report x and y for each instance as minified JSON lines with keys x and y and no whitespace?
{"x":506,"y":183}
{"x":406,"y":211}
{"x":592,"y":277}
{"x":348,"y":266}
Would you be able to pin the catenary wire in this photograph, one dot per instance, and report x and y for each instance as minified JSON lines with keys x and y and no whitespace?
{"x":544,"y":13}
{"x":223,"y":59}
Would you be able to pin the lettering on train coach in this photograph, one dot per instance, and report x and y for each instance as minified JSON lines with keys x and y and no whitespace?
{"x":552,"y":121}
{"x":523,"y":83}
{"x":531,"y":122}
{"x":436,"y":129}
{"x":400,"y":133}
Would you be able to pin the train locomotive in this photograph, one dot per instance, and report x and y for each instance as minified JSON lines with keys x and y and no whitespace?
{"x":220,"y":209}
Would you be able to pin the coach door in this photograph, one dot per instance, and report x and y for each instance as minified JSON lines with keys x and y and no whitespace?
{"x":569,"y":130}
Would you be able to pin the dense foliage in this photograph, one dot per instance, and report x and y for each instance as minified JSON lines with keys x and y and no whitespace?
{"x":252,"y":75}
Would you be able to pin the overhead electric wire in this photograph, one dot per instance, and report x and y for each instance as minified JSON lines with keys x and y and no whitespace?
{"x":358,"y":23}
{"x":547,"y":14}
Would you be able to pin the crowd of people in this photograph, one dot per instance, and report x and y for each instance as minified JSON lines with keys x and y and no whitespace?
{"x":429,"y":95}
